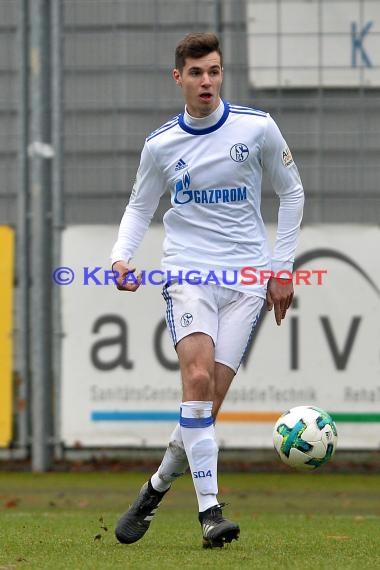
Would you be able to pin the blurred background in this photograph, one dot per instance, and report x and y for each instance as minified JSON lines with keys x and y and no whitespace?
{"x":83,"y":82}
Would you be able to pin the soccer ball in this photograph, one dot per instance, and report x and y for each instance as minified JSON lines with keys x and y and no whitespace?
{"x":305,"y":437}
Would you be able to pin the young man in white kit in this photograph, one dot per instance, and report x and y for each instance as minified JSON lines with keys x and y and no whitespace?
{"x":210,"y":158}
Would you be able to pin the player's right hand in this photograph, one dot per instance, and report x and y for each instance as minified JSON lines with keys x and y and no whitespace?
{"x":126,"y":280}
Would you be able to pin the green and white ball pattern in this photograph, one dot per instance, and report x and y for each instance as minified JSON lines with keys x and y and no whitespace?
{"x":305,"y":437}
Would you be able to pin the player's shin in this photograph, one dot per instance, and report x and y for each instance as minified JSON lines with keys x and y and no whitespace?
{"x":198,"y":436}
{"x":173,"y":464}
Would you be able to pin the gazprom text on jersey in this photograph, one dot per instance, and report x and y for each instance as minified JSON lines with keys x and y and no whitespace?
{"x":212,"y":196}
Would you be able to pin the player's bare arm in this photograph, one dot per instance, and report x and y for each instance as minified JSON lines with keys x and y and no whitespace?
{"x":280,"y":296}
{"x":122,"y":268}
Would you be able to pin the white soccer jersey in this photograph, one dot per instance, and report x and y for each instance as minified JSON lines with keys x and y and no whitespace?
{"x":213,"y":168}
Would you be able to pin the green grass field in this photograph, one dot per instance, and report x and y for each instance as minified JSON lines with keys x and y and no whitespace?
{"x":288,"y":520}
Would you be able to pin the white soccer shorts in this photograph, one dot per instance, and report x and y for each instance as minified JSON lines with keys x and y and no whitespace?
{"x":229,"y":317}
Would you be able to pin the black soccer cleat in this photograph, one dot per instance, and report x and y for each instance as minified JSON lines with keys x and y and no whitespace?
{"x":217,"y":531}
{"x":133,"y":524}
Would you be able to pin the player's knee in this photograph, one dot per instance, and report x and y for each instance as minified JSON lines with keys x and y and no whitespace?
{"x":199,"y":383}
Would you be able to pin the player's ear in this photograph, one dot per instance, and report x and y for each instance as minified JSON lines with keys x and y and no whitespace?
{"x":177,"y":77}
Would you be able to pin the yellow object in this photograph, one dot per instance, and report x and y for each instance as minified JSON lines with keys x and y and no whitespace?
{"x":6,"y":330}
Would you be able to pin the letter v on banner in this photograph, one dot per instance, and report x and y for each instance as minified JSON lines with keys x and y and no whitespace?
{"x":6,"y":330}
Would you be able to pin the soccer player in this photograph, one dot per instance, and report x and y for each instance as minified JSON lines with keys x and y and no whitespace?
{"x":210,"y":158}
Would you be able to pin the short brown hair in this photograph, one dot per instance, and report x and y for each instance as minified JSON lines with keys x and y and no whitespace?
{"x":195,"y":45}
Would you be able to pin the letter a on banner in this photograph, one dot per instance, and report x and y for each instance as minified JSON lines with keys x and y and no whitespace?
{"x":6,"y":328}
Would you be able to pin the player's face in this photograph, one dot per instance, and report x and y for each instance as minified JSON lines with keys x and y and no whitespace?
{"x":201,"y":80}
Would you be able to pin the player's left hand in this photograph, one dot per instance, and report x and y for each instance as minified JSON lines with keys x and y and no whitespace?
{"x":280,"y":296}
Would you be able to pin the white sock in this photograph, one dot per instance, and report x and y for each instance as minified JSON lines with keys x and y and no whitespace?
{"x":198,"y":436}
{"x":173,"y":464}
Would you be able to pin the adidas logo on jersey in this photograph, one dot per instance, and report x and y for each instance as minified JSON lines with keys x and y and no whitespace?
{"x":180,"y":165}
